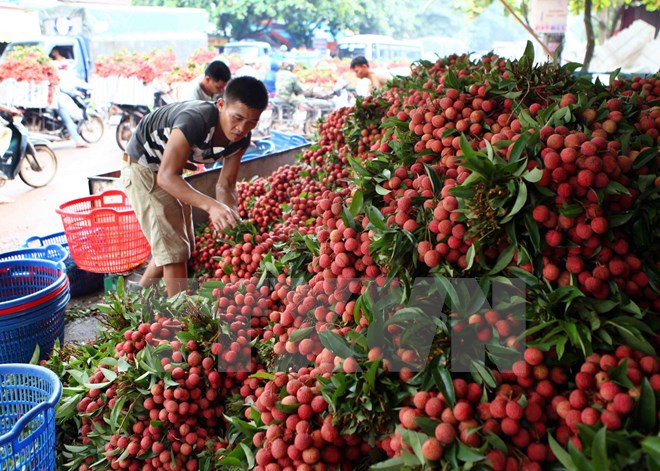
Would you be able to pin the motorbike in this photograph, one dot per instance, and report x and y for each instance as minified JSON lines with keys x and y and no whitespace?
{"x":29,"y":157}
{"x":130,"y":116}
{"x":47,"y":121}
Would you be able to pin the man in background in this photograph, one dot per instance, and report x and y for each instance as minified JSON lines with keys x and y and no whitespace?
{"x":65,"y":104}
{"x":212,"y":85}
{"x":360,"y":66}
{"x":287,"y":86}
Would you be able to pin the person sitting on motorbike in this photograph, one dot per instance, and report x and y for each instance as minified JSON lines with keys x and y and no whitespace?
{"x":212,"y":85}
{"x":65,"y":103}
{"x":377,"y":79}
{"x":288,"y":88}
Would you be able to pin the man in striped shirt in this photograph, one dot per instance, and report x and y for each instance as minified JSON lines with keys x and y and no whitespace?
{"x":164,"y":142}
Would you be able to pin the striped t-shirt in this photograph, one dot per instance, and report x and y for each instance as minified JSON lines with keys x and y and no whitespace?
{"x":197,"y":121}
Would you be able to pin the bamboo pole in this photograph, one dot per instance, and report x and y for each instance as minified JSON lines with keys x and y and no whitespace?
{"x":529,"y":30}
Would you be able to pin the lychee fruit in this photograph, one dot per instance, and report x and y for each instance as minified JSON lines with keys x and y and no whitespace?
{"x":533,"y":356}
{"x":599,"y":225}
{"x":445,"y":433}
{"x":608,"y":391}
{"x":432,"y":449}
{"x":610,"y":420}
{"x":623,"y":403}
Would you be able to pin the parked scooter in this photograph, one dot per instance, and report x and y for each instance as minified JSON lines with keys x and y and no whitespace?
{"x":29,"y":157}
{"x":131,"y":115}
{"x":48,"y":121}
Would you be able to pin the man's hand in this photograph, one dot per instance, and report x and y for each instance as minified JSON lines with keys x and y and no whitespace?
{"x":222,"y":216}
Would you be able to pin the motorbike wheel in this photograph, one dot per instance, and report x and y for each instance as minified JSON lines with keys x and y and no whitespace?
{"x":38,"y":169}
{"x":125,"y":130}
{"x":91,"y":129}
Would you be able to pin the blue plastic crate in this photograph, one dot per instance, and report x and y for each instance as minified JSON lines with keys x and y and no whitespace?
{"x":33,"y":297}
{"x":52,"y":252}
{"x":36,"y":241}
{"x":28,"y":396}
{"x":22,"y":332}
{"x":81,"y":282}
{"x":29,"y":282}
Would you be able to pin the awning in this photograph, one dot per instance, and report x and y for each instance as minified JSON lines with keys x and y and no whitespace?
{"x":17,"y":24}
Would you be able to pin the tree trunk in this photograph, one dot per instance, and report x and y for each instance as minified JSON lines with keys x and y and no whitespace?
{"x":589,"y":28}
{"x":615,"y":21}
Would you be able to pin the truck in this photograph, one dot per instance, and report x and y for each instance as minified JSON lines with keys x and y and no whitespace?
{"x":86,"y":31}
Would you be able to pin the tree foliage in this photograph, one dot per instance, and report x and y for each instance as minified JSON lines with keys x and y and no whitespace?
{"x":240,"y":19}
{"x":585,"y":7}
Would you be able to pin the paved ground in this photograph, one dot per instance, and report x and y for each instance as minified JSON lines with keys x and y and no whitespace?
{"x":27,"y":211}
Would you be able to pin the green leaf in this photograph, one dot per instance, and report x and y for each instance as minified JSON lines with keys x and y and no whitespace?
{"x":435,"y":178}
{"x":445,"y":383}
{"x":616,"y":188}
{"x":263,"y":375}
{"x":109,"y":374}
{"x":461,"y":191}
{"x":357,"y":204}
{"x":469,"y":257}
{"x":529,"y":52}
{"x":485,"y":373}
{"x":249,"y":455}
{"x":496,"y":441}
{"x":521,"y":199}
{"x":415,"y":440}
{"x":646,"y":407}
{"x":518,"y":147}
{"x":503,"y":260}
{"x":466,"y":148}
{"x":35,"y":355}
{"x":300,"y":334}
{"x":376,"y":218}
{"x":524,"y":275}
{"x":579,"y":459}
{"x":619,"y":374}
{"x":619,"y":219}
{"x":599,"y":451}
{"x":393,"y":464}
{"x":336,"y":344}
{"x":614,"y":75}
{"x":534,"y":175}
{"x":372,"y":372}
{"x":427,"y":425}
{"x":114,"y":415}
{"x":651,"y":445}
{"x":66,"y":408}
{"x":561,"y":454}
{"x":451,"y":80}
{"x":645,"y":157}
{"x":468,"y":454}
{"x":382,"y":191}
{"x":572,"y":210}
{"x":348,"y":218}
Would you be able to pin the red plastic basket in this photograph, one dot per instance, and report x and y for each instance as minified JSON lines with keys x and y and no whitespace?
{"x":103,"y":233}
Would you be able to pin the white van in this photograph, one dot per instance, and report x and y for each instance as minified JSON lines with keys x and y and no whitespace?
{"x":376,"y":47}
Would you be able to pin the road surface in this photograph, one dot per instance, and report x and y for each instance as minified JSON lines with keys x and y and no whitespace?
{"x":27,"y":211}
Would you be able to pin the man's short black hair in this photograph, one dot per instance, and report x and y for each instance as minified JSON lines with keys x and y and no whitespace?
{"x":248,"y":90}
{"x":359,"y":60}
{"x":218,"y":70}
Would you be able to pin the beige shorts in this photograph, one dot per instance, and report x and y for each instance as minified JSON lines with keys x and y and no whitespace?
{"x":166,"y":222}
